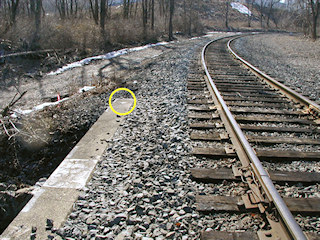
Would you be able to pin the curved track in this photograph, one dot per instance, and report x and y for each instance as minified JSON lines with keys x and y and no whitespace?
{"x":239,"y":112}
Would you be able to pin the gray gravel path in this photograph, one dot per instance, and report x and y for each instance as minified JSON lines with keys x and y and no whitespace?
{"x":142,"y":188}
{"x":292,"y":59}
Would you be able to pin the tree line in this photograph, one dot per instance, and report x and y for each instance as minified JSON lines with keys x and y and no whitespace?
{"x":148,"y":11}
{"x":303,"y":13}
{"x":150,"y":14}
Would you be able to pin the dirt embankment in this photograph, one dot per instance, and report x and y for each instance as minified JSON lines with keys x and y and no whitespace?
{"x":39,"y":141}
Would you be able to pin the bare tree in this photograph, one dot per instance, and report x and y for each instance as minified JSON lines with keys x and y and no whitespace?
{"x":67,"y":8}
{"x":31,"y":7}
{"x":187,"y":16}
{"x":95,"y":10}
{"x":227,"y":14}
{"x":270,"y":10}
{"x":171,"y":11}
{"x":126,"y":8}
{"x":144,"y":17}
{"x":13,"y":9}
{"x":152,"y":14}
{"x":249,"y":5}
{"x":37,"y":21}
{"x":315,"y":9}
{"x":261,"y":11}
{"x":103,"y":11}
{"x":162,"y":8}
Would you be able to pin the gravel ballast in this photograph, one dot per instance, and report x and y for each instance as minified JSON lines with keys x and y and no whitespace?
{"x":292,"y":59}
{"x":142,"y":188}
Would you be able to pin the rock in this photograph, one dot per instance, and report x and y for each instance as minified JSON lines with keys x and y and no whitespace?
{"x":33,"y":236}
{"x":89,"y":221}
{"x":76,"y":232}
{"x":115,"y":221}
{"x":187,"y":209}
{"x":182,"y":212}
{"x":170,"y":234}
{"x":169,"y":226}
{"x":139,"y":210}
{"x":170,"y":191}
{"x":3,"y":186}
{"x":121,"y":236}
{"x":61,"y":232}
{"x":101,"y":237}
{"x":73,"y":215}
{"x":156,"y":232}
{"x":123,"y":215}
{"x":49,"y":224}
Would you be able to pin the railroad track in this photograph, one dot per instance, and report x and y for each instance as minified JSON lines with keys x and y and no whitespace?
{"x":241,"y":116}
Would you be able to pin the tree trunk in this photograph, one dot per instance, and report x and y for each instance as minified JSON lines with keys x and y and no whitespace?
{"x":227,"y":15}
{"x":32,"y":8}
{"x":37,"y":18}
{"x":249,"y":15}
{"x":13,"y":11}
{"x":152,"y":15}
{"x":126,"y":5}
{"x":190,"y":18}
{"x":315,"y":9}
{"x":261,"y":13}
{"x":161,"y":8}
{"x":95,"y":11}
{"x":171,"y":11}
{"x":63,"y":9}
{"x":102,"y":22}
{"x":144,"y":17}
{"x":269,"y":14}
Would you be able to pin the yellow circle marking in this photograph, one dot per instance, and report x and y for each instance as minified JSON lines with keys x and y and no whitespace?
{"x":134,"y":101}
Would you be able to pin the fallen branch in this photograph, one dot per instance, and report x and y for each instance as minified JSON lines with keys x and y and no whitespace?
{"x":25,"y":53}
{"x":6,"y":110}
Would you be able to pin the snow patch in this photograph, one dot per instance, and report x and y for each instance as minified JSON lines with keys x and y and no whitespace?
{"x":241,"y":8}
{"x":86,"y":89}
{"x":39,"y":107}
{"x":47,"y":104}
{"x":107,"y":56}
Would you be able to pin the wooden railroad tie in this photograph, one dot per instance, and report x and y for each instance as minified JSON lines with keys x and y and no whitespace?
{"x":214,"y":175}
{"x":270,"y":155}
{"x":209,"y":203}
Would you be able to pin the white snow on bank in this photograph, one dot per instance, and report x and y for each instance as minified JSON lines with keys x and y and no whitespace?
{"x":39,"y":107}
{"x":241,"y":8}
{"x":212,"y":34}
{"x":86,"y":89}
{"x":47,"y":104}
{"x":104,"y":57}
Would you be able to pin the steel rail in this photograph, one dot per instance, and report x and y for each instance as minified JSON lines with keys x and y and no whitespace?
{"x":287,"y":90}
{"x":264,"y":179}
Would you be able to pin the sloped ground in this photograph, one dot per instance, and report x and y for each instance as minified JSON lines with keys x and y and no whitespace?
{"x":48,"y":135}
{"x":292,"y":59}
{"x":142,"y":189}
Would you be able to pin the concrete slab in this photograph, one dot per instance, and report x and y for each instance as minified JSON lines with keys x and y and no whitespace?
{"x":93,"y":144}
{"x":72,"y":173}
{"x":54,"y":204}
{"x":55,"y":199}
